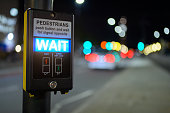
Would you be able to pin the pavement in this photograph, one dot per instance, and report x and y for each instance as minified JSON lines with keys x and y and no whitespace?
{"x":10,"y":68}
{"x":137,"y":89}
{"x":163,"y":60}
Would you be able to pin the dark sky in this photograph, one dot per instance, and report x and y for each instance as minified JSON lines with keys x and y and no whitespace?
{"x":143,"y":19}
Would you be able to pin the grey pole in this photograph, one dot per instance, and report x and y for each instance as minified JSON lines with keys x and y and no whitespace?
{"x":40,"y":101}
{"x":39,"y":4}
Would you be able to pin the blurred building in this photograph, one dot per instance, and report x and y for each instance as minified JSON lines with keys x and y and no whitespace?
{"x":9,"y":25}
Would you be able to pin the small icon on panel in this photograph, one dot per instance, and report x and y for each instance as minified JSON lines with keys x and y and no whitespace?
{"x":58,"y":65}
{"x":46,"y":65}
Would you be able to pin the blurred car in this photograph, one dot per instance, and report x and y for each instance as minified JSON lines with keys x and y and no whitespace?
{"x":100,"y":60}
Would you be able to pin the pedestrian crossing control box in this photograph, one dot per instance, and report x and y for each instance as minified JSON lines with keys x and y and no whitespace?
{"x":48,"y":51}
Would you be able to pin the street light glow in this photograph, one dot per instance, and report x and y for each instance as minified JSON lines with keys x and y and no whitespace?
{"x":124,"y":27}
{"x":118,"y":29}
{"x":158,"y":45}
{"x":87,"y":45}
{"x":166,"y":30}
{"x":156,"y":34}
{"x":109,"y":46}
{"x":141,"y":46}
{"x":111,"y":21}
{"x":124,"y":49}
{"x":13,"y":11}
{"x":122,"y":34}
{"x":123,"y":20}
{"x":86,"y":51}
{"x":10,"y":36}
{"x":79,"y":1}
{"x":17,"y":48}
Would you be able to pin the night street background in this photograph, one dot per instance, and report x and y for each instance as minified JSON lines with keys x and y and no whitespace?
{"x":105,"y":79}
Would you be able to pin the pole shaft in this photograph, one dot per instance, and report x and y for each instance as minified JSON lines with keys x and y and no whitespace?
{"x":39,"y":4}
{"x":40,"y":102}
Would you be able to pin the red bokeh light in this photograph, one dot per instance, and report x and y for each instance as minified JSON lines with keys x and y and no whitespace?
{"x":123,"y":55}
{"x":92,"y":57}
{"x":130,"y":54}
{"x":109,"y":58}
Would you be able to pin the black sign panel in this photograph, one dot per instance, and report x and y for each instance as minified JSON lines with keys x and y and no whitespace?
{"x":51,"y":65}
{"x":49,"y":50}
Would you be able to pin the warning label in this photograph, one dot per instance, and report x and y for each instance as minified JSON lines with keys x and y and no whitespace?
{"x":52,"y":28}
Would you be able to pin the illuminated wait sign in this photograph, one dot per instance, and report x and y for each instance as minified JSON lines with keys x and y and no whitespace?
{"x":51,"y":45}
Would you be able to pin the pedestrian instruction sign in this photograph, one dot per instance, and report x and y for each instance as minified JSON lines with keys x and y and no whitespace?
{"x":52,"y":28}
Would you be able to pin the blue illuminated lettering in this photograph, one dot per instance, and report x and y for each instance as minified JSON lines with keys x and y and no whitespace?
{"x":51,"y":45}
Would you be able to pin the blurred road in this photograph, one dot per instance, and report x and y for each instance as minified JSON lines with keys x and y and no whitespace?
{"x":86,"y":83}
{"x":143,"y":87}
{"x":138,"y":86}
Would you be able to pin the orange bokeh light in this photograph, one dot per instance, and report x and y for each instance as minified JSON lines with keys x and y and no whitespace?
{"x":103,"y":44}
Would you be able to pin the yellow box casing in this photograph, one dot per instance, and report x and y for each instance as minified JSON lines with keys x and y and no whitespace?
{"x":25,"y":50}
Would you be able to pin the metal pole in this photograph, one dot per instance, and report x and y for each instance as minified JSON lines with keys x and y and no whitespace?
{"x":39,"y":102}
{"x":39,"y":4}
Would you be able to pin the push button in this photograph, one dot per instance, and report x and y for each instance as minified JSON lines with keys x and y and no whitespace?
{"x":53,"y":84}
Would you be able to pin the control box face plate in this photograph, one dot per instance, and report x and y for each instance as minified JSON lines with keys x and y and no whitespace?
{"x":49,"y":50}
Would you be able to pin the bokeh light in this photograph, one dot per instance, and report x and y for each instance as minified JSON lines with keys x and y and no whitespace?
{"x":79,"y":1}
{"x":124,"y":49}
{"x":109,"y":46}
{"x":123,"y":27}
{"x":156,"y":34}
{"x":166,"y":30}
{"x":123,"y":55}
{"x":158,"y":45}
{"x":10,"y":36}
{"x":109,"y":58}
{"x":118,"y":48}
{"x":130,"y":54}
{"x":111,"y":21}
{"x":103,"y":44}
{"x":118,"y":29}
{"x":122,"y":34}
{"x":117,"y":57}
{"x":17,"y":48}
{"x":13,"y":11}
{"x":114,"y":45}
{"x":141,"y":46}
{"x":152,"y":48}
{"x":123,"y":20}
{"x":92,"y":57}
{"x":86,"y":51}
{"x":87,"y":45}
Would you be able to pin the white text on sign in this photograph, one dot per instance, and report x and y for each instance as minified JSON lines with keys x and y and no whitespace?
{"x":51,"y":45}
